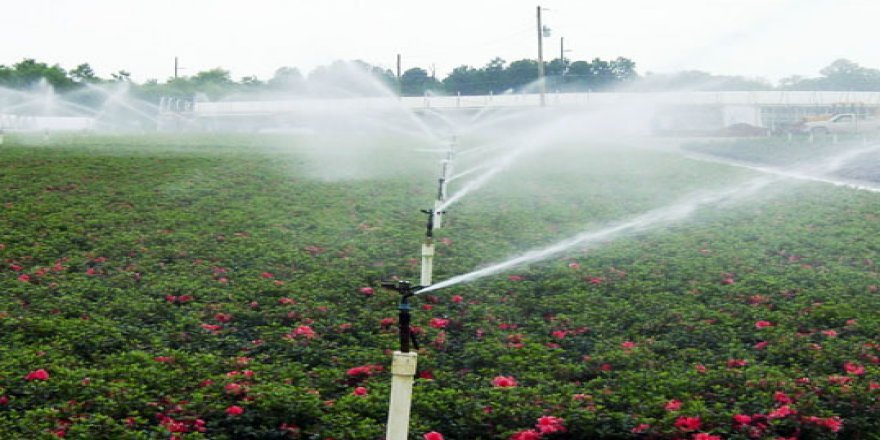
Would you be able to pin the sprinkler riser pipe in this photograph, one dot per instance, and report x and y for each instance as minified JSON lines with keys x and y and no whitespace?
{"x":403,"y":371}
{"x":427,"y":264}
{"x":438,"y":217}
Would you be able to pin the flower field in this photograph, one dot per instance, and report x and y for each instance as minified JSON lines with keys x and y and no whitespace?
{"x":196,"y":287}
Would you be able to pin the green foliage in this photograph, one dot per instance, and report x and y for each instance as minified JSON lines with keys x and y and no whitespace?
{"x":167,"y":277}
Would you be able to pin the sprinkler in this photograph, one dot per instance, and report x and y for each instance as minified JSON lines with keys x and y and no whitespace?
{"x":406,"y":291}
{"x":403,"y":366}
{"x":428,"y":248}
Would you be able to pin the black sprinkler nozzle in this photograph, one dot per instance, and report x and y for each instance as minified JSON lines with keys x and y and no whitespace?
{"x":406,"y":291}
{"x":430,"y":225}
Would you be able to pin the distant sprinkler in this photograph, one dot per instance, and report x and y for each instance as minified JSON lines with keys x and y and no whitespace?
{"x":403,"y":365}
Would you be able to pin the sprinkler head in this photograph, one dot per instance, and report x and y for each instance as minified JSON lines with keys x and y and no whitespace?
{"x":431,"y":213}
{"x":406,"y":290}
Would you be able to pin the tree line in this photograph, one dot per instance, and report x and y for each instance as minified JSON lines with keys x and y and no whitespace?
{"x":496,"y":77}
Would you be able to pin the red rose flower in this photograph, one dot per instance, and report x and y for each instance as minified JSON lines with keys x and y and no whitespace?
{"x":40,"y":374}
{"x":504,"y":382}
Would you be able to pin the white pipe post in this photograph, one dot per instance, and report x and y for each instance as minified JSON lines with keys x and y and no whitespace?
{"x":427,"y":262}
{"x":438,"y":216}
{"x":403,"y":371}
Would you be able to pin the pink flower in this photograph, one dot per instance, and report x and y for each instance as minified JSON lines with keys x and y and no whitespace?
{"x":305,"y":332}
{"x":688,"y":423}
{"x":628,"y":345}
{"x":438,"y":322}
{"x":830,"y":333}
{"x":367,"y":291}
{"x":782,"y":398}
{"x":267,"y":275}
{"x":832,"y":423}
{"x":596,"y":280}
{"x":223,"y":317}
{"x":433,"y":435}
{"x":515,"y":278}
{"x":761,"y":345}
{"x":781,"y":412}
{"x":504,"y":382}
{"x":727,"y":280}
{"x":854,"y":369}
{"x":212,"y":327}
{"x":574,"y":265}
{"x":701,"y":368}
{"x":457,"y":299}
{"x":640,"y":428}
{"x":235,"y":410}
{"x":559,"y":334}
{"x":40,"y":374}
{"x":24,"y":278}
{"x":763,"y":324}
{"x":550,"y":424}
{"x":526,"y":435}
{"x":705,"y":436}
{"x":742,"y":419}
{"x":360,"y":391}
{"x":736,"y":363}
{"x":673,"y":405}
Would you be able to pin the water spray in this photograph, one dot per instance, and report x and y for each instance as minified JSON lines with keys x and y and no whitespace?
{"x":403,"y":366}
{"x":443,"y":184}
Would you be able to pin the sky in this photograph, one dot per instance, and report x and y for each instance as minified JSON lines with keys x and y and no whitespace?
{"x":767,"y":39}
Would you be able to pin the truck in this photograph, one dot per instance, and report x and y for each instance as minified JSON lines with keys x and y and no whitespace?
{"x":842,"y":123}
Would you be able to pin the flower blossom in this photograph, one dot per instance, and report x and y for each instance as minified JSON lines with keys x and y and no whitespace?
{"x":550,"y":424}
{"x":40,"y":374}
{"x":685,"y":423}
{"x":504,"y":382}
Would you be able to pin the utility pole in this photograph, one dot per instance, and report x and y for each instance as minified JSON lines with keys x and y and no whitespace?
{"x":541,"y":87}
{"x":562,"y":50}
{"x":177,"y":68}
{"x":399,"y":85}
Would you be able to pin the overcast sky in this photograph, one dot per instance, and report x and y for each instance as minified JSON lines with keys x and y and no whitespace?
{"x":756,"y":38}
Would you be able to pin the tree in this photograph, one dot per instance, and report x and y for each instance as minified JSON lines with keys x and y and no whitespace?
{"x":623,"y":69}
{"x":287,"y":79}
{"x":842,"y":74}
{"x":28,"y":72}
{"x":415,"y":82}
{"x":84,"y":74}
{"x":521,"y":73}
{"x":121,"y":76}
{"x":463,"y":79}
{"x":493,"y":76}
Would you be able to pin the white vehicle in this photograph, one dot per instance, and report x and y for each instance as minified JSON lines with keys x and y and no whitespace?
{"x":843,"y":123}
